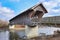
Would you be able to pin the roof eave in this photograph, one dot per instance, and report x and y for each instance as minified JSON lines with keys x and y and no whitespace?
{"x":43,"y":7}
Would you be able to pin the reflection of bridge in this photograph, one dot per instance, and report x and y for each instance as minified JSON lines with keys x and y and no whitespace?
{"x":51,"y":21}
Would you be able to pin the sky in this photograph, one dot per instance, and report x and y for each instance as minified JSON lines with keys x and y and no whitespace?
{"x":11,"y":8}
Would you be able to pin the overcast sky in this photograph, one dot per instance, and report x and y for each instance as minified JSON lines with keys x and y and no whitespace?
{"x":11,"y":8}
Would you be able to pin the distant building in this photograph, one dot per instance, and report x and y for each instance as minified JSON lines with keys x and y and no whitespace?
{"x":51,"y":21}
{"x":26,"y":23}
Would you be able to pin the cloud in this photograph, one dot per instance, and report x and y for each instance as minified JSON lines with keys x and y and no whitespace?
{"x":7,"y":12}
{"x":52,"y":6}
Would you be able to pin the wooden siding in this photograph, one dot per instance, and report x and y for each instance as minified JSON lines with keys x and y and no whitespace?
{"x":22,"y":20}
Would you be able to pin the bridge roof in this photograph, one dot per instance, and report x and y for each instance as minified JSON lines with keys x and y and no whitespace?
{"x":29,"y":10}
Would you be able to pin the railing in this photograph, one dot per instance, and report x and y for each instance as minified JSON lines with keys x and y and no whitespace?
{"x":35,"y":20}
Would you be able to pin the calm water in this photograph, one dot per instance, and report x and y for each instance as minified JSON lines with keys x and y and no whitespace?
{"x":4,"y":35}
{"x":48,"y":30}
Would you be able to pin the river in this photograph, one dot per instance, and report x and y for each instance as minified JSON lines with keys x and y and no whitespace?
{"x":4,"y":35}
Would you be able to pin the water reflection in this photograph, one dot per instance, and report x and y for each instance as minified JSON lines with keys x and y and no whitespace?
{"x":48,"y":30}
{"x":4,"y":35}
